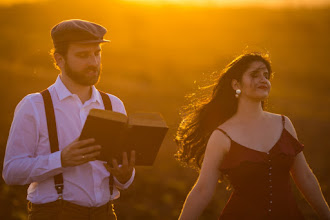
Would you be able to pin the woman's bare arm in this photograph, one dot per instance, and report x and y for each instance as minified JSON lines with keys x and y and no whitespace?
{"x":306,"y":181}
{"x":203,"y":190}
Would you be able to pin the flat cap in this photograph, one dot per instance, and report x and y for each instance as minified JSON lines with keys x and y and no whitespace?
{"x":78,"y":31}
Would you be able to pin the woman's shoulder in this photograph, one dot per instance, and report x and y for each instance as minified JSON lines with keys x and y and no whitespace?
{"x":279,"y":117}
{"x":228,"y":124}
{"x":229,"y":127}
{"x":275,"y":116}
{"x":286,"y":122}
{"x":220,"y":139}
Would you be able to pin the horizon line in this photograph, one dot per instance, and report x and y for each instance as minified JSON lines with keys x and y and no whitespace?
{"x":206,"y":4}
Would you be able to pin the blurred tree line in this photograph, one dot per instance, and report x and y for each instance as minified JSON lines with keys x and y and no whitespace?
{"x":156,"y":55}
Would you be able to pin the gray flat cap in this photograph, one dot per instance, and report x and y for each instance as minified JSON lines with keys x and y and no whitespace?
{"x":78,"y":31}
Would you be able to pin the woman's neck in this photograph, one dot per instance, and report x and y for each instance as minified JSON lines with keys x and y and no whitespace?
{"x":83,"y":92}
{"x":249,"y":110}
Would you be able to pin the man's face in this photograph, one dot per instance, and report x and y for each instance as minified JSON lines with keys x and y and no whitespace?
{"x":83,"y":63}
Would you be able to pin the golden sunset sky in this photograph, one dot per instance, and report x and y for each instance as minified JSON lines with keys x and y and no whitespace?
{"x":275,"y":3}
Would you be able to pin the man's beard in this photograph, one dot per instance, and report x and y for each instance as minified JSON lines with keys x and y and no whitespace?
{"x":83,"y":77}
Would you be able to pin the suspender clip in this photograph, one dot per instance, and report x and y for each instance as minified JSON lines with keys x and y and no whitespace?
{"x":59,"y":189}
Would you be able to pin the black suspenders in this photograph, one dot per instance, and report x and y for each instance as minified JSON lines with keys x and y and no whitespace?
{"x":108,"y":106}
{"x":52,"y":134}
{"x":53,"y":138}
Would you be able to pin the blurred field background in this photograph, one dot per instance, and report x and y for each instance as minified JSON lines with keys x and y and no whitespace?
{"x":161,"y":52}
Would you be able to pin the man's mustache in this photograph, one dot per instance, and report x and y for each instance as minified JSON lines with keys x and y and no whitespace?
{"x":92,"y":68}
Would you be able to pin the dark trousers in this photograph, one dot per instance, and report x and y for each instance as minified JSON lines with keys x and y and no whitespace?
{"x":63,"y":210}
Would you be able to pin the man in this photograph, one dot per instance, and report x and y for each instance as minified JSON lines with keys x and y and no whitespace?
{"x":43,"y":150}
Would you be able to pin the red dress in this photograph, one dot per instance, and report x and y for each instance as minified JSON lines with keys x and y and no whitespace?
{"x":261,"y":181}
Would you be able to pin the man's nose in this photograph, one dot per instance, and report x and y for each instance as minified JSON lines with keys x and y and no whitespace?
{"x":93,"y":60}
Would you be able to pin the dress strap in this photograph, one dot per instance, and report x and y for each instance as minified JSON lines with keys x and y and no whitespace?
{"x":225,"y":133}
{"x":283,"y":121}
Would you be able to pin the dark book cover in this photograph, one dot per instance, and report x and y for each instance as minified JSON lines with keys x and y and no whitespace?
{"x":117,"y":133}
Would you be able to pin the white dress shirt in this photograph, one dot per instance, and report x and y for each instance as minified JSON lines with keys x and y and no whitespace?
{"x":28,"y":159}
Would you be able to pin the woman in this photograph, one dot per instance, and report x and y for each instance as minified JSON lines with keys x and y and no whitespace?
{"x":230,"y":135}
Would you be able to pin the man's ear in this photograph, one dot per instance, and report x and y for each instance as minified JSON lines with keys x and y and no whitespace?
{"x":59,"y":59}
{"x":235,"y":84}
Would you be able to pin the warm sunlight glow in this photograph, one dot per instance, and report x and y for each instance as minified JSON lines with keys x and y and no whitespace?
{"x":204,"y":2}
{"x":236,"y":2}
{"x":11,"y":2}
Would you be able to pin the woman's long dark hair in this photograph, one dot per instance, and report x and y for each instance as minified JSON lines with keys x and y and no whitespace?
{"x":202,"y":116}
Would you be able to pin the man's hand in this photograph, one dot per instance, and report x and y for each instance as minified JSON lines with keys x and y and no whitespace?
{"x":79,"y":152}
{"x":123,"y":173}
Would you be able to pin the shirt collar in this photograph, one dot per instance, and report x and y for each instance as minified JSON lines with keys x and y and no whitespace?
{"x":63,"y":92}
{"x":96,"y":97}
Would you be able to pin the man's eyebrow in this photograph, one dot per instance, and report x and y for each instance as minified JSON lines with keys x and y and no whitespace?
{"x":82,"y":51}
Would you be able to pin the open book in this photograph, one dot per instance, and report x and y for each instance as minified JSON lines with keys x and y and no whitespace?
{"x":117,"y":133}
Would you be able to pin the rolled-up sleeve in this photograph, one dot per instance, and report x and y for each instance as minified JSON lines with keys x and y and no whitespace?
{"x":21,"y":164}
{"x":125,"y":185}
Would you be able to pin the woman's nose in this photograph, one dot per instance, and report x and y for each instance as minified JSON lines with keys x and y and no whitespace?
{"x":264,"y":78}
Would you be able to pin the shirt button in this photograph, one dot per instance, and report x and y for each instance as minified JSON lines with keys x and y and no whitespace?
{"x":270,"y":186}
{"x":270,"y":174}
{"x":270,"y":201}
{"x":270,"y":168}
{"x":269,"y":210}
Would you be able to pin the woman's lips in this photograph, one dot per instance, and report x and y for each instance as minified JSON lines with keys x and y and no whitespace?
{"x":263,"y":87}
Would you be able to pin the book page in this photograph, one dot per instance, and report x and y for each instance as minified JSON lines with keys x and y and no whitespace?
{"x":109,"y":115}
{"x":151,"y":119}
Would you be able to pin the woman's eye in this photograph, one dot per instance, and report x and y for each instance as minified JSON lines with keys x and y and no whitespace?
{"x":266,"y":74}
{"x":254,"y":75}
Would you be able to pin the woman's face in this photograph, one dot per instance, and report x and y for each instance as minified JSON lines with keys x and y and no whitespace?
{"x":255,"y":82}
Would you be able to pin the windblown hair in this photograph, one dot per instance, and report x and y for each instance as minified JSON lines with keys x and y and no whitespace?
{"x":202,"y":116}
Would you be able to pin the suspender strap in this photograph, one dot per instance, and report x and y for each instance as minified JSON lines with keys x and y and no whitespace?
{"x":53,"y":139}
{"x":108,"y":106}
{"x":111,"y":185}
{"x":283,"y":121}
{"x":225,"y":133}
{"x":106,"y":101}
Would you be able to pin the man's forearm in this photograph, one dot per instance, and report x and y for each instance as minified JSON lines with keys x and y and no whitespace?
{"x":24,"y":170}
